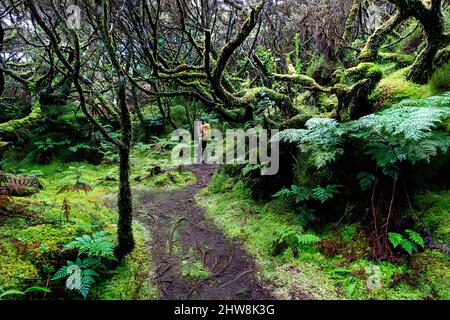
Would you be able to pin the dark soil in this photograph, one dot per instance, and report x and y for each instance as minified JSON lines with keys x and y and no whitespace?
{"x":179,"y":231}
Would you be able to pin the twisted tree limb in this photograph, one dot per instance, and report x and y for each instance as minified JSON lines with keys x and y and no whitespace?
{"x":437,"y":41}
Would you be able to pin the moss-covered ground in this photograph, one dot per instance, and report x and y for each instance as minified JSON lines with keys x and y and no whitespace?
{"x":394,"y":87}
{"x":52,"y":219}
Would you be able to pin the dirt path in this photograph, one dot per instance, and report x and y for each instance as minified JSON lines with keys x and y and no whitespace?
{"x":180,"y":230}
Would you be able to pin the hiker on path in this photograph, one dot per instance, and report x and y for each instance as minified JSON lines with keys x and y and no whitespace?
{"x":205,"y":135}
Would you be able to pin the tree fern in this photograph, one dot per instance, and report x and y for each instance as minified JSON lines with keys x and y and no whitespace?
{"x":439,"y":101}
{"x":405,"y":132}
{"x":402,"y":134}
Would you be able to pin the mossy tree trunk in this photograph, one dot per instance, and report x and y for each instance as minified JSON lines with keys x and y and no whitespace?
{"x":432,"y":21}
{"x":124,"y":201}
{"x":431,"y":18}
{"x":125,"y":206}
{"x":2,"y":75}
{"x":370,"y":50}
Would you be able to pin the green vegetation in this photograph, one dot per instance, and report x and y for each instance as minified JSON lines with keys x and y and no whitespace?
{"x":355,"y":95}
{"x":335,"y":267}
{"x":194,"y":270}
{"x":66,"y":216}
{"x":439,"y":80}
{"x":395,"y":87}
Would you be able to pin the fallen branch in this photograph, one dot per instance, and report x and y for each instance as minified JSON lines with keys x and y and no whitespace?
{"x":158,"y":275}
{"x":202,"y":252}
{"x":177,"y":224}
{"x":230,"y":259}
{"x":201,"y":282}
{"x":235,"y":279}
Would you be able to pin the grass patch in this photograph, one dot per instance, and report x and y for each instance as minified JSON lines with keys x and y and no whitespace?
{"x":434,"y":211}
{"x":134,"y":278}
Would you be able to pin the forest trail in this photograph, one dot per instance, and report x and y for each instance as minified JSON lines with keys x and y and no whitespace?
{"x":180,"y":230}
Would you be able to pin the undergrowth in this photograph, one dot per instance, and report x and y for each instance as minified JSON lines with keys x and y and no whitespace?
{"x":63,"y":210}
{"x":337,"y":267}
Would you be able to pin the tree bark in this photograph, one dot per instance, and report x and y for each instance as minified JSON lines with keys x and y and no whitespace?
{"x":2,"y":75}
{"x":124,"y":201}
{"x":432,"y":21}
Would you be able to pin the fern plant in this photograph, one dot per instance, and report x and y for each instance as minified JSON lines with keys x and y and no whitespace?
{"x":403,"y":133}
{"x":366,"y":180}
{"x":302,"y":194}
{"x":81,"y":275}
{"x":326,"y":193}
{"x":298,"y":193}
{"x":290,"y":237}
{"x":305,"y":215}
{"x":410,"y":244}
{"x":409,"y":132}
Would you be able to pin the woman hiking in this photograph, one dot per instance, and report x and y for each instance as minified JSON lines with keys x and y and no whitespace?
{"x":205,"y":135}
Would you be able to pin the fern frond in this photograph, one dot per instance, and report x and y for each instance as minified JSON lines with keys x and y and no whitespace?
{"x":325,"y":194}
{"x":408,"y":246}
{"x":321,"y":140}
{"x":100,"y":244}
{"x":415,"y":237}
{"x":307,"y":239}
{"x":283,"y":193}
{"x":61,"y":273}
{"x":395,"y":238}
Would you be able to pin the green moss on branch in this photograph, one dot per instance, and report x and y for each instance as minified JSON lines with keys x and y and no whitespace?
{"x":12,"y":126}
